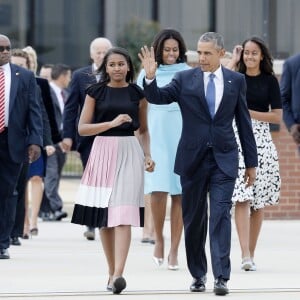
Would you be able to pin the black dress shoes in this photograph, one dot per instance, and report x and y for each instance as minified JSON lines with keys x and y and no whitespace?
{"x":15,"y":241}
{"x":220,"y":287}
{"x":198,"y":285}
{"x":46,"y":216}
{"x":4,"y":254}
{"x":58,"y":215}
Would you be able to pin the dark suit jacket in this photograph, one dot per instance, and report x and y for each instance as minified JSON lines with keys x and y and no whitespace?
{"x":48,"y":104}
{"x":290,"y":90}
{"x":25,"y":121}
{"x":81,"y":79}
{"x":199,"y":130}
{"x":47,"y":139}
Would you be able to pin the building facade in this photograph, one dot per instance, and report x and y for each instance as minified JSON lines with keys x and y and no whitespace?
{"x":61,"y":30}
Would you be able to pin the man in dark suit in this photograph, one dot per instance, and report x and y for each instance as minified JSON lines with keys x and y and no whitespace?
{"x":43,"y":82}
{"x":48,"y":103}
{"x":20,"y":135}
{"x":61,"y":76}
{"x":290,"y":94}
{"x":210,"y":97}
{"x":21,"y":58}
{"x":81,"y":79}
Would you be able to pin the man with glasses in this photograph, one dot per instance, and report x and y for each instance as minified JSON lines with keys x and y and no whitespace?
{"x":21,"y":134}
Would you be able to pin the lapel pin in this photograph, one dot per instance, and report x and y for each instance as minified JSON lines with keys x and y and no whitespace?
{"x":17,"y":74}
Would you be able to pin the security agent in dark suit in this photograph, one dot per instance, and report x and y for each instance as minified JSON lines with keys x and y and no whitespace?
{"x":20,"y":140}
{"x":45,"y":209}
{"x":290,"y":95}
{"x":21,"y":58}
{"x":49,"y":107}
{"x":61,"y":75}
{"x":81,"y":79}
{"x":207,"y":154}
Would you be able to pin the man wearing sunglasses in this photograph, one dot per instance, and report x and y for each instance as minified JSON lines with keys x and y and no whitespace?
{"x":21,"y":133}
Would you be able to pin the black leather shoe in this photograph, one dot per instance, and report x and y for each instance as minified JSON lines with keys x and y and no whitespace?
{"x":198,"y":285}
{"x":15,"y":241}
{"x":4,"y":254}
{"x":220,"y":287}
{"x":46,"y":216}
{"x":58,"y":215}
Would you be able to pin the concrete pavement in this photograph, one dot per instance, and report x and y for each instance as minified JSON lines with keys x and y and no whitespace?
{"x":60,"y":264}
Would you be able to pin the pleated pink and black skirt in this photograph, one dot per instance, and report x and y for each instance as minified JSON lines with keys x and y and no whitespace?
{"x":111,"y":191}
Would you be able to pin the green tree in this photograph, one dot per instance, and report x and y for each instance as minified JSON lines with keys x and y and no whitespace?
{"x":134,"y":35}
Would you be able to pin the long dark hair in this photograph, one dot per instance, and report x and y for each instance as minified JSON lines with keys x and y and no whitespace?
{"x":266,"y":64}
{"x":104,"y":78}
{"x":158,"y":45}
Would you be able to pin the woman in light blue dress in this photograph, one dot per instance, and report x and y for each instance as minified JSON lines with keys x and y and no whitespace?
{"x":165,"y":124}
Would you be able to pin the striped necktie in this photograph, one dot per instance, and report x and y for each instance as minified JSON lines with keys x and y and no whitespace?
{"x":2,"y":100}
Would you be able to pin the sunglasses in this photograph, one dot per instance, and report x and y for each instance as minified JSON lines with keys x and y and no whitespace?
{"x":2,"y":48}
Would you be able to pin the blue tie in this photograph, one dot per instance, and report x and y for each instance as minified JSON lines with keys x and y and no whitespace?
{"x":211,"y":94}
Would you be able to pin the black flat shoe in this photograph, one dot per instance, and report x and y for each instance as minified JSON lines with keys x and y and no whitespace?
{"x":198,"y":285}
{"x":59,"y":215}
{"x":119,"y":285}
{"x":220,"y":287}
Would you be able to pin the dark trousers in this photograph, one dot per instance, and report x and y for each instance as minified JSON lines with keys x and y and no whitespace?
{"x":18,"y":228}
{"x":51,"y":199}
{"x":208,"y":181}
{"x":9,"y":172}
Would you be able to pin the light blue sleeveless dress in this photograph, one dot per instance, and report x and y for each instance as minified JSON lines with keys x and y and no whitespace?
{"x":165,"y":124}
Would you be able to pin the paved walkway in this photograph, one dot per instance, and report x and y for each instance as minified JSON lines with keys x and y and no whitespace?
{"x":60,"y":264}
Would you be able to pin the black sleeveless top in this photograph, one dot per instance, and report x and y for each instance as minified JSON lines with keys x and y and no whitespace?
{"x":110,"y":102}
{"x":263,"y":92}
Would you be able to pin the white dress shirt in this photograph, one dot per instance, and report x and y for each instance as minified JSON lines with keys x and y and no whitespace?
{"x":59,"y":96}
{"x":95,"y":69}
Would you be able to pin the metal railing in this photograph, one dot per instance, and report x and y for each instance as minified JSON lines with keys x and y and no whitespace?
{"x":73,"y":165}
